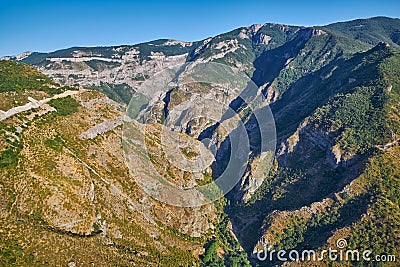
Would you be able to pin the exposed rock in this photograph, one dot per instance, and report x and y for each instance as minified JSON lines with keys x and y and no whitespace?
{"x":35,"y":104}
{"x":119,"y":69}
{"x":20,"y":56}
{"x":91,"y":192}
{"x":253,"y":29}
{"x":261,"y":38}
{"x":352,"y":80}
{"x":102,"y":127}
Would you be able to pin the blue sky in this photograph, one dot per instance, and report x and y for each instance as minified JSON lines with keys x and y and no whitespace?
{"x":45,"y":25}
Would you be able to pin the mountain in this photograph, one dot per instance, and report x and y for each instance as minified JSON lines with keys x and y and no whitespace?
{"x":64,"y":182}
{"x":330,"y":158}
{"x":334,"y":93}
{"x":371,"y":31}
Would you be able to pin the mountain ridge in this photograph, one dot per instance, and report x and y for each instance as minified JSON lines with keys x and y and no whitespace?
{"x":256,"y":25}
{"x":333,"y":90}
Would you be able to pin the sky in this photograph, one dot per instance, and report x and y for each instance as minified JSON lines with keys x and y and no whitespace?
{"x":43,"y":25}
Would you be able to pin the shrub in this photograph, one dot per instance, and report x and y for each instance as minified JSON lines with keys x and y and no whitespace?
{"x":65,"y":106}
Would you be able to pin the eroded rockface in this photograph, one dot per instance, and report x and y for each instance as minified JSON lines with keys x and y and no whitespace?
{"x":299,"y":70}
{"x":267,"y":52}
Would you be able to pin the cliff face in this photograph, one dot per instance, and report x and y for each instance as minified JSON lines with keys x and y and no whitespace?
{"x":334,"y":151}
{"x":273,"y":55}
{"x":334,"y":98}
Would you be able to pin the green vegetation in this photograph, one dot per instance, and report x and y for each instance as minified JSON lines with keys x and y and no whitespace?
{"x":318,"y":52}
{"x":379,"y":199}
{"x":361,"y":116}
{"x":188,"y":152}
{"x":377,"y":232}
{"x":223,"y":249}
{"x":357,"y":114}
{"x":65,"y":106}
{"x":158,"y":46}
{"x":374,"y":232}
{"x":207,"y":178}
{"x":9,"y":157}
{"x":100,"y":65}
{"x":18,"y":77}
{"x":57,"y":143}
{"x":12,"y":254}
{"x":371,"y":31}
{"x":211,"y":257}
{"x":109,"y":52}
{"x":117,"y":92}
{"x":344,"y":100}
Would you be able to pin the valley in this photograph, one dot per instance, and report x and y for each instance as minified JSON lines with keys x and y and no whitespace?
{"x":69,"y":196}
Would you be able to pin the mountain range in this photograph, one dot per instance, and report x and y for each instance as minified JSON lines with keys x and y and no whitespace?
{"x":67,"y":197}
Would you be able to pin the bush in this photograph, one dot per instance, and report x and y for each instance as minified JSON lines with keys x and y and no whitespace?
{"x":9,"y":157}
{"x":56,"y":143}
{"x":65,"y":106}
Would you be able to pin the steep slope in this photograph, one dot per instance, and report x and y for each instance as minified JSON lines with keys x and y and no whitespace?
{"x":274,"y":55}
{"x":335,"y":160}
{"x":118,"y":70}
{"x":66,"y":195}
{"x":371,"y":31}
{"x":334,"y":93}
{"x":112,"y":70}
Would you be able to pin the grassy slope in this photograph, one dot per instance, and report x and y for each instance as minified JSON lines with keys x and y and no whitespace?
{"x":19,"y":77}
{"x":371,"y":31}
{"x":360,"y":117}
{"x":41,"y":164}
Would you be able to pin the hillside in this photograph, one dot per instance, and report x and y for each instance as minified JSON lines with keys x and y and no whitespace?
{"x":371,"y":31}
{"x":65,"y":186}
{"x":334,"y":93}
{"x":331,"y":160}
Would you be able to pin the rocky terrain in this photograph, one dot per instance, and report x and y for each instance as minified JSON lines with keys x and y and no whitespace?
{"x":333,"y":92}
{"x":64,"y":179}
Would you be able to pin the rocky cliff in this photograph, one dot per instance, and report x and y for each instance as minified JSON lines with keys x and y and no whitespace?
{"x":333,"y":92}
